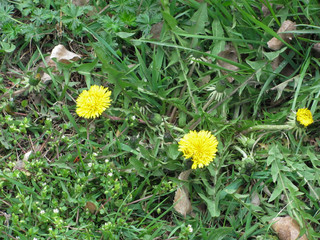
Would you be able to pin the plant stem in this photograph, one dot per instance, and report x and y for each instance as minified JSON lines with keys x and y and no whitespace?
{"x":269,"y":128}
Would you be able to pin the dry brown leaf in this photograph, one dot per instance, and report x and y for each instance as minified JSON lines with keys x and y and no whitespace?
{"x":156,"y":30}
{"x":63,"y":55}
{"x":20,"y":164}
{"x":286,"y":71}
{"x":316,"y":48}
{"x":255,"y":200}
{"x":80,"y":2}
{"x":231,"y":54}
{"x":265,"y":10}
{"x":91,"y":207}
{"x":182,"y":203}
{"x":287,"y":228}
{"x":276,"y":44}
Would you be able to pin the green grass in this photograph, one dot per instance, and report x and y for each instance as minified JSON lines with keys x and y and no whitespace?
{"x":123,"y":185}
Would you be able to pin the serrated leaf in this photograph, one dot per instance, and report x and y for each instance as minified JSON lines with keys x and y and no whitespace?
{"x":256,"y":65}
{"x":86,"y":68}
{"x":273,"y":55}
{"x":199,"y":19}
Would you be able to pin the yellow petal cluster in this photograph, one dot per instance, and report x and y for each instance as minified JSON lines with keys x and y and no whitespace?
{"x":93,"y":102}
{"x":200,"y":146}
{"x":304,"y":116}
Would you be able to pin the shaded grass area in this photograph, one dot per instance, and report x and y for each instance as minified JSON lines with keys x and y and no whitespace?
{"x":172,"y":67}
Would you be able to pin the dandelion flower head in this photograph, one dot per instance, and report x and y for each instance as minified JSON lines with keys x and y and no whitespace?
{"x":200,"y":146}
{"x":92,"y":103}
{"x":304,"y":117}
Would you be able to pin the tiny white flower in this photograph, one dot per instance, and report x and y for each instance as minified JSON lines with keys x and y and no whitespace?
{"x":90,"y":164}
{"x":63,"y":136}
{"x":17,"y":237}
{"x":50,"y":228}
{"x":56,"y":210}
{"x":190,"y":228}
{"x":106,"y":161}
{"x":133,"y":118}
{"x":95,"y":154}
{"x":42,"y":212}
{"x":110,"y":174}
{"x":11,"y":99}
{"x":35,"y":238}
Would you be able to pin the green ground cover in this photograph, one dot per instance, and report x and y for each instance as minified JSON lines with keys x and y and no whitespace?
{"x":210,"y":130}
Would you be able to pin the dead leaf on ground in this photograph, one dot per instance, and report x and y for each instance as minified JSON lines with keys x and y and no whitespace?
{"x":286,"y":71}
{"x":287,"y":228}
{"x":182,"y":203}
{"x":91,"y":207}
{"x":231,"y":54}
{"x":156,"y":30}
{"x":255,"y":200}
{"x":20,"y":164}
{"x":80,"y":2}
{"x":266,"y":11}
{"x":63,"y":55}
{"x":316,"y":48}
{"x":276,"y":44}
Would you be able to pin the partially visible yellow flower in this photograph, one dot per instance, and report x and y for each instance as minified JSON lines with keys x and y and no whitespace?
{"x":304,"y":117}
{"x":200,"y":146}
{"x":92,"y":103}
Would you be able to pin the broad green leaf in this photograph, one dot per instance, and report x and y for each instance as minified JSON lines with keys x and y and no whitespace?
{"x":273,"y":55}
{"x":231,"y":188}
{"x":212,"y":205}
{"x":138,"y":166}
{"x":276,"y":192}
{"x":217,"y":31}
{"x":86,"y":68}
{"x":257,"y":65}
{"x":170,"y":20}
{"x":127,"y":148}
{"x":124,"y":34}
{"x":173,"y":152}
{"x":199,"y":20}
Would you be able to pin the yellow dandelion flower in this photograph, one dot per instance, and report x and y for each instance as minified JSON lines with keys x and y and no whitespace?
{"x":200,"y":146}
{"x":92,"y":103}
{"x":304,"y":117}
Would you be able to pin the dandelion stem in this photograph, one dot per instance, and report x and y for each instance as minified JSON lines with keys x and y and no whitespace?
{"x":269,"y":128}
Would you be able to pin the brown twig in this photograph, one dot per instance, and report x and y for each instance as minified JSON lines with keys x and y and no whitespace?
{"x":139,"y":200}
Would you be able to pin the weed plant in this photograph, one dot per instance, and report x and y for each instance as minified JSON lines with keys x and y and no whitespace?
{"x":167,"y":64}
